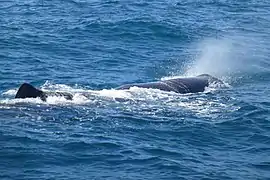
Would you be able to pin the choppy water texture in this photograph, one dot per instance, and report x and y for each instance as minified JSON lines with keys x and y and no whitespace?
{"x":93,"y":46}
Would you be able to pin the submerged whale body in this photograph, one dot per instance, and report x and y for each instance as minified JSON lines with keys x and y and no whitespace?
{"x":178,"y":85}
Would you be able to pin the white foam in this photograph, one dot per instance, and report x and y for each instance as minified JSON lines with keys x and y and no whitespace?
{"x":16,"y":101}
{"x":10,"y":92}
{"x":112,"y":93}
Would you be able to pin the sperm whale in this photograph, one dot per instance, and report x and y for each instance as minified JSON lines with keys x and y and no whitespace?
{"x":178,"y":85}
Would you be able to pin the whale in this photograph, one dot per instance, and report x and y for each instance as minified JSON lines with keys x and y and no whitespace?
{"x":28,"y":91}
{"x":181,"y":85}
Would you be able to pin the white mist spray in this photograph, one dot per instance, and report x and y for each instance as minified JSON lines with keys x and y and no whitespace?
{"x":222,"y":57}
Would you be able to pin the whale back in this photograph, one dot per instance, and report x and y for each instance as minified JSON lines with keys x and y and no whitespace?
{"x":188,"y":85}
{"x":178,"y":85}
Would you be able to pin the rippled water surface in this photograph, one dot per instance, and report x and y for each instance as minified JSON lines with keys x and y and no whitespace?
{"x":91,"y":46}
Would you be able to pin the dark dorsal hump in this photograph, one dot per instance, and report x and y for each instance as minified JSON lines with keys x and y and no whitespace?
{"x":28,"y":91}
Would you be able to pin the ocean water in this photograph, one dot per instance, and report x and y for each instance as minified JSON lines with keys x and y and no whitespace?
{"x":92,"y":46}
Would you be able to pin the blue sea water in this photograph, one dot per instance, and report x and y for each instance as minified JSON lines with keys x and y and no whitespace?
{"x":93,"y":46}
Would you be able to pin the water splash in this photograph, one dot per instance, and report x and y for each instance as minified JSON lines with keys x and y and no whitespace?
{"x":215,"y":58}
{"x":224,"y":57}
